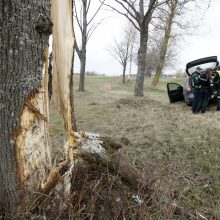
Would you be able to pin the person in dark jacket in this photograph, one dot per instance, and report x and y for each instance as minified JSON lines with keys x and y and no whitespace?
{"x":205,"y":82}
{"x":195,"y":79}
{"x":217,"y":86}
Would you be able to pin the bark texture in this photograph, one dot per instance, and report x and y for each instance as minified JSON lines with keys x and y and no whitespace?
{"x":139,"y":85}
{"x":50,"y":76}
{"x":24,"y":33}
{"x":144,"y":19}
{"x":123,"y":74}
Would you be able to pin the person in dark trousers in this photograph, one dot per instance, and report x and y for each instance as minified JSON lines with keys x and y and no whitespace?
{"x":195,"y":79}
{"x":217,"y":86}
{"x":206,"y":88}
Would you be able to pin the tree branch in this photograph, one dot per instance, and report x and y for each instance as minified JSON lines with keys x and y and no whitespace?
{"x":77,"y":19}
{"x":116,"y":10}
{"x":102,"y":3}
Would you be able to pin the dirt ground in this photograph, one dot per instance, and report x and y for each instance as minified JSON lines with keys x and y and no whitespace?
{"x":179,"y":151}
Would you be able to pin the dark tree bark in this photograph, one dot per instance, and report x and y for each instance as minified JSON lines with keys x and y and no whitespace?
{"x":82,"y":69}
{"x":24,"y":32}
{"x":139,"y":86}
{"x":82,"y":56}
{"x":123,"y":75}
{"x":50,"y":77}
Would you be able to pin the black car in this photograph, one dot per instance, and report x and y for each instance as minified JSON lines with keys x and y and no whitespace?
{"x":178,"y":92}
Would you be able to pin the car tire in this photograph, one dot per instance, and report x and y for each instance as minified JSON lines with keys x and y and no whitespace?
{"x":187,"y":101}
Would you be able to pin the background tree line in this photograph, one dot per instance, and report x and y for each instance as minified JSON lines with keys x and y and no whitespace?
{"x":159,"y":27}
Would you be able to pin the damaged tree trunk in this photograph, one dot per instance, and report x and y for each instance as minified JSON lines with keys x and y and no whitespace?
{"x":92,"y":151}
{"x":25,"y":165}
{"x":25,"y":160}
{"x":63,"y":45}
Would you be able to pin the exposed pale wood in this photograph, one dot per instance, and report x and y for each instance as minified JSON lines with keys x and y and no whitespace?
{"x":63,"y":45}
{"x":108,"y":152}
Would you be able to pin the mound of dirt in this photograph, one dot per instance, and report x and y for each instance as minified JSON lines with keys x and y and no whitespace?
{"x":98,"y":194}
{"x":136,"y":102}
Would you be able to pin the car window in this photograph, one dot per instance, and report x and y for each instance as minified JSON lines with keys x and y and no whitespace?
{"x":174,"y":86}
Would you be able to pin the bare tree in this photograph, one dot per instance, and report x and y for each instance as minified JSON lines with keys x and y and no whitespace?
{"x":87,"y":27}
{"x":173,"y":21}
{"x":153,"y":54}
{"x":139,"y":14}
{"x":122,"y":51}
{"x":151,"y":60}
{"x":172,"y":9}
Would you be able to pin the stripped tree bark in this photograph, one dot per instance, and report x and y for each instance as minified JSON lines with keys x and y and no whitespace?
{"x":25,"y":163}
{"x":63,"y":45}
{"x":108,"y":153}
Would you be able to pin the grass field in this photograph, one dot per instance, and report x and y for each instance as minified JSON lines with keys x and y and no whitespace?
{"x":179,"y":151}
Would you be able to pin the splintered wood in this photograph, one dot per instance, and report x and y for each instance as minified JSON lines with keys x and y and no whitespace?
{"x":33,"y":153}
{"x":63,"y":44}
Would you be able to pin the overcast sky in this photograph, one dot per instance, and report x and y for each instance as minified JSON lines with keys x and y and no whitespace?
{"x":206,"y":42}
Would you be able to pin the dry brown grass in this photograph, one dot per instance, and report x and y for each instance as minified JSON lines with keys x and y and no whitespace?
{"x":178,"y":150}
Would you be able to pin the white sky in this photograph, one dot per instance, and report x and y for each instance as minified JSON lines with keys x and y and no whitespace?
{"x":206,"y":42}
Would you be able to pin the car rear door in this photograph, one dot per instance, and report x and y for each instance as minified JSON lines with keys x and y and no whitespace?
{"x":175,"y":92}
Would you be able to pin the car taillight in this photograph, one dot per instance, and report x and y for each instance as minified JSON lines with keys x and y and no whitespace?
{"x":188,"y":89}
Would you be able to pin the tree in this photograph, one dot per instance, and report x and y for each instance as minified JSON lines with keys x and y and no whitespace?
{"x":173,"y":21}
{"x":140,"y":16}
{"x":24,"y":34}
{"x":25,"y":167}
{"x":151,"y":60}
{"x":24,"y":41}
{"x":174,"y":8}
{"x":122,"y":51}
{"x":87,"y":28}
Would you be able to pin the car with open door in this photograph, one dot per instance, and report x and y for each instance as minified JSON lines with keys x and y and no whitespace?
{"x":174,"y":89}
{"x":175,"y":92}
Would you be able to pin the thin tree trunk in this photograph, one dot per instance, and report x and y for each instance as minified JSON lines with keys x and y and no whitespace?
{"x":82,"y":71}
{"x":139,"y":86}
{"x":124,"y":71}
{"x":148,"y":74}
{"x":50,"y":79}
{"x":164,"y":47}
{"x":24,"y":35}
{"x":83,"y":50}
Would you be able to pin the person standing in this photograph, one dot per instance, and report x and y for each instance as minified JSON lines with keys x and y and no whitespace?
{"x":195,"y":79}
{"x":205,"y":82}
{"x":217,"y":86}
